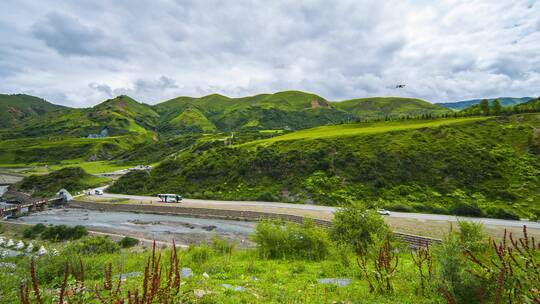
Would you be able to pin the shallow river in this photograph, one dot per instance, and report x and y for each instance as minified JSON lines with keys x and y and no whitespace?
{"x":184,"y":230}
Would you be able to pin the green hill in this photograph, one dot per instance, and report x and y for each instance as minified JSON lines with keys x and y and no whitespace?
{"x":288,"y":110}
{"x":121,"y":115}
{"x":64,"y":134}
{"x":467,"y":166}
{"x":283,"y":110}
{"x":72,"y":179}
{"x":532,"y":105}
{"x":18,"y":107}
{"x":377,"y":107}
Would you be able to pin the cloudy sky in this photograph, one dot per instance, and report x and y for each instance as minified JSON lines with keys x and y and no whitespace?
{"x":79,"y":53}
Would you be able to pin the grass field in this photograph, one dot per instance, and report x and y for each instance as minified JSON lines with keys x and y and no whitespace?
{"x":364,"y":128}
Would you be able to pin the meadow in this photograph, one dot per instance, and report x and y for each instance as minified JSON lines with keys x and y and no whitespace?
{"x":345,"y":130}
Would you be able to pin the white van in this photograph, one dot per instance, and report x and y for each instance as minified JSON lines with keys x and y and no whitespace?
{"x":98,"y":192}
{"x":170,"y":198}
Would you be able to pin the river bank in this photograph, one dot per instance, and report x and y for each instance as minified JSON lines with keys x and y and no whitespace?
{"x":162,"y":228}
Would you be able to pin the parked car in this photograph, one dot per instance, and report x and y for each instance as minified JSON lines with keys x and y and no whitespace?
{"x":383,"y":212}
{"x":98,"y":192}
{"x":170,"y":198}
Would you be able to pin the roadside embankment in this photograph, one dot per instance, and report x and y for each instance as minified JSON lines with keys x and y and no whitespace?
{"x":194,"y":212}
{"x":413,"y":240}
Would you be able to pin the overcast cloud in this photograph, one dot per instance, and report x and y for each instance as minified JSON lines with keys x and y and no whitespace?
{"x":79,"y":53}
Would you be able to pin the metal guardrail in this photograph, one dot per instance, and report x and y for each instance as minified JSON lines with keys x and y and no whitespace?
{"x":31,"y":206}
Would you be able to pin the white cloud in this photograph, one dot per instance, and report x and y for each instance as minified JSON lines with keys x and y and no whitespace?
{"x":80,"y":53}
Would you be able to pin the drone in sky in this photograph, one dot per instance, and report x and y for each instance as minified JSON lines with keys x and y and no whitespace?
{"x":400,"y":86}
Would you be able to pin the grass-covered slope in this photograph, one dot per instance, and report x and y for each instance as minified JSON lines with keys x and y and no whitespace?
{"x":288,"y":110}
{"x":63,"y":135}
{"x":72,"y":179}
{"x":121,"y":115}
{"x":16,"y":108}
{"x":282,"y":110}
{"x":377,"y":107}
{"x":475,"y":167}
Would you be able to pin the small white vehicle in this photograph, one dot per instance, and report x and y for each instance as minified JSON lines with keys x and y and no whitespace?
{"x":98,"y":192}
{"x":383,"y":212}
{"x":170,"y":198}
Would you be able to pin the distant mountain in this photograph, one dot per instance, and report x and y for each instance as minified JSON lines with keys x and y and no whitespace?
{"x":282,"y":110}
{"x":292,"y":110}
{"x":18,"y":107}
{"x":532,"y":105}
{"x":505,"y":101}
{"x":121,"y":115}
{"x":115,"y":126}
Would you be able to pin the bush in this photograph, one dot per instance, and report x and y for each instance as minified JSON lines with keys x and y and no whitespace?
{"x":127,"y":242}
{"x":267,"y":197}
{"x":33,"y":231}
{"x":199,"y":254}
{"x":222,"y":247}
{"x":95,"y":245}
{"x":465,"y":209}
{"x":358,"y":227}
{"x":472,"y":236}
{"x":399,"y":208}
{"x":63,"y":233}
{"x":461,"y":285}
{"x":501,"y":213}
{"x":305,"y":241}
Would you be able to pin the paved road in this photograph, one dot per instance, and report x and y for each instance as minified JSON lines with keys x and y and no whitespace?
{"x":326,"y":210}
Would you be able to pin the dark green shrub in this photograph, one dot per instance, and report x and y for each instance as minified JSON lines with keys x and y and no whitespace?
{"x":306,"y":241}
{"x":399,"y":208}
{"x":502,"y":213}
{"x":267,"y":197}
{"x":63,"y":233}
{"x":472,"y":236}
{"x":127,"y":242}
{"x":222,"y":247}
{"x":199,"y":254}
{"x":358,"y":227}
{"x":465,"y":209}
{"x":33,"y":231}
{"x":459,"y":284}
{"x":95,"y":245}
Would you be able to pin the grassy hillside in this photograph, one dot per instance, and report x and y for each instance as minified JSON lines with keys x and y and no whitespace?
{"x":288,"y":110}
{"x":362,"y":129}
{"x":283,"y":110}
{"x":377,"y":107}
{"x":72,"y":179}
{"x":121,"y":115}
{"x":478,"y":166}
{"x":63,"y":135}
{"x":18,"y":107}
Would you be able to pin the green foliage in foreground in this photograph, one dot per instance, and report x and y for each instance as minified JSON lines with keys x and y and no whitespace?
{"x":72,"y":179}
{"x":304,"y":241}
{"x":55,"y":233}
{"x":128,"y":242}
{"x":475,"y":167}
{"x":464,"y":269}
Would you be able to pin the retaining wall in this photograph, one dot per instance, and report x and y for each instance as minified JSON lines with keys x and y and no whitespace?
{"x":412,"y":240}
